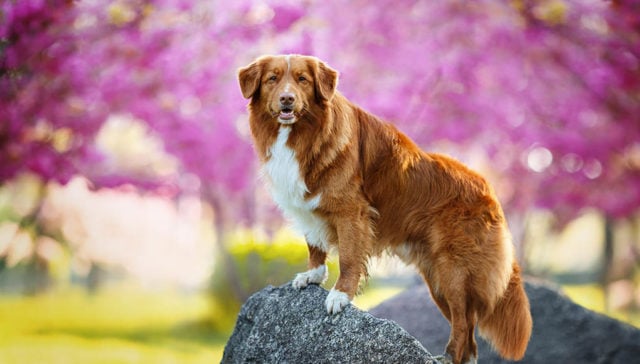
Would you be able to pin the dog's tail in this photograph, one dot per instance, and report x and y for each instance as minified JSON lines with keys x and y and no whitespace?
{"x":508,"y":327}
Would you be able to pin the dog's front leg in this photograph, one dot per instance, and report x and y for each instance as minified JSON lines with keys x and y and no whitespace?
{"x":354,"y":241}
{"x":317,"y":271}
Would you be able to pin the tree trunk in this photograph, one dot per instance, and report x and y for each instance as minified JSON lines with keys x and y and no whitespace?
{"x":607,"y":258}
{"x":229,"y":265}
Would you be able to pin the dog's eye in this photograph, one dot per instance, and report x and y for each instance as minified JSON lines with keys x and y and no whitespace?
{"x":302,"y":79}
{"x":273,"y":78}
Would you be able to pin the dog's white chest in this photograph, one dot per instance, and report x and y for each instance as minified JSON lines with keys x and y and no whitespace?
{"x":283,"y":171}
{"x":288,"y":190}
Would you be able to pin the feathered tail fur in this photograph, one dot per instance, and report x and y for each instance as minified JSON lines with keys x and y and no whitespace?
{"x":508,"y":327}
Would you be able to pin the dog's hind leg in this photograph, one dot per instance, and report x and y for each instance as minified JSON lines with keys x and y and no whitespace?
{"x":439,"y":300}
{"x":449,"y":289}
{"x":461,"y":346}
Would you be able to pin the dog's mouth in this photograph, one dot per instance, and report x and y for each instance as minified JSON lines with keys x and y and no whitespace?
{"x":286,"y":116}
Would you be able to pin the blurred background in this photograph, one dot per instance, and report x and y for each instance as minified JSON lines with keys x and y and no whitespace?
{"x":133,"y":223}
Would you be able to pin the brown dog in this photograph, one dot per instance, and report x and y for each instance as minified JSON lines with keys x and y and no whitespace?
{"x":348,"y":180}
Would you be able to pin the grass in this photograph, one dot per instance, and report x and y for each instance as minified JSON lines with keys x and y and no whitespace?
{"x":119,"y":324}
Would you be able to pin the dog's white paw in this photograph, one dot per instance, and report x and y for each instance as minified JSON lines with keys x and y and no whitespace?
{"x":444,"y":359}
{"x":447,"y":359}
{"x":313,"y":276}
{"x":336,"y":301}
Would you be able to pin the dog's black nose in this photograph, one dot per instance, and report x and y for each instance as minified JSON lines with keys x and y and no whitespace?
{"x":287,"y":99}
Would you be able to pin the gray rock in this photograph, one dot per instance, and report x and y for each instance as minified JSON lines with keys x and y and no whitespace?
{"x":284,"y":325}
{"x":563,"y":332}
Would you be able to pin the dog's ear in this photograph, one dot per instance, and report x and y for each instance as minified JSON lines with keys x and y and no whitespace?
{"x":326,"y":81}
{"x":249,"y":78}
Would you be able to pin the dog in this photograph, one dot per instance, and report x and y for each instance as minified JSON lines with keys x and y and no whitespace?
{"x":348,"y":180}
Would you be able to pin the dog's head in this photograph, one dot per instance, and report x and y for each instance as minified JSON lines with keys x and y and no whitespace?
{"x":287,"y":87}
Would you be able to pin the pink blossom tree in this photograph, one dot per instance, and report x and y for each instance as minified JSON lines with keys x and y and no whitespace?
{"x":65,"y":67}
{"x":548,"y":89}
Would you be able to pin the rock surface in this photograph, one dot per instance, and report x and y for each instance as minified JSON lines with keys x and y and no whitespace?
{"x":563,"y":332}
{"x":284,"y":325}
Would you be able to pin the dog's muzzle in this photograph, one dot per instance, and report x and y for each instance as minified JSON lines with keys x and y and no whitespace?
{"x":287,"y":115}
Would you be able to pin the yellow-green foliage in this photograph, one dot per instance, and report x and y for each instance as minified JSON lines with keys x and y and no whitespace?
{"x":258,"y":263}
{"x":592,"y":297}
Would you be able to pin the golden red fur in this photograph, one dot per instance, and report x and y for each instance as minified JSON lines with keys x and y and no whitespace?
{"x":351,"y":181}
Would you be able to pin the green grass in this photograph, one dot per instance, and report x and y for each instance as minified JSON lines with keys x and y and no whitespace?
{"x":118,"y":325}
